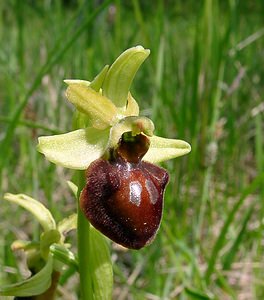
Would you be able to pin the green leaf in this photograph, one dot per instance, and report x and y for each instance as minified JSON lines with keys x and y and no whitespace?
{"x":100,"y":110}
{"x":101,"y":266}
{"x":76,"y":149}
{"x":35,"y":285}
{"x":196,"y":294}
{"x":41,"y":213}
{"x":162,"y":149}
{"x":121,"y":74}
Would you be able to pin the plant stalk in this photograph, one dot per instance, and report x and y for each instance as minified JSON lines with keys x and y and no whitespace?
{"x":83,"y":229}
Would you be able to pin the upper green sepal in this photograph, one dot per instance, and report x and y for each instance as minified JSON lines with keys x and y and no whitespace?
{"x":121,"y":74}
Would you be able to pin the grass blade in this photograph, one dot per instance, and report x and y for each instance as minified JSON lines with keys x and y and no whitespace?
{"x":196,"y":294}
{"x":221,"y":238}
{"x":51,"y":61}
{"x":229,"y":258}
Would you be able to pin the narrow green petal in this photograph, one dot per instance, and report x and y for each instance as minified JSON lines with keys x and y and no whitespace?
{"x":121,"y":74}
{"x":101,"y":111}
{"x":77,"y":81}
{"x":76,"y":149}
{"x":162,"y":149}
{"x":132,"y":108}
{"x":97,"y":83}
{"x":32,"y":286}
{"x":41,"y":213}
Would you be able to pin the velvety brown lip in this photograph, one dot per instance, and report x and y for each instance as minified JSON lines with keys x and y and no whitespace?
{"x":123,"y":196}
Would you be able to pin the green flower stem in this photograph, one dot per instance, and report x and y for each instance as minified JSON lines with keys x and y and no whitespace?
{"x":83,"y":229}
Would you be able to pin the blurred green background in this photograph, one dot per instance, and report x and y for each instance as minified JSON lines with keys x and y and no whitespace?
{"x":202,"y":83}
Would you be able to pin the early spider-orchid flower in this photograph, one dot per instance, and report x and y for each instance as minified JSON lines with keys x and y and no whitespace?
{"x":123,"y":195}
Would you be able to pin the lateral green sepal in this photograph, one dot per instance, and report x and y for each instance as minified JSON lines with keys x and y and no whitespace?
{"x":75,"y":149}
{"x":162,"y":149}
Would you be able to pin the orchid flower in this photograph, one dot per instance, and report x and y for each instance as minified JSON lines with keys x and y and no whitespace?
{"x":119,"y":150}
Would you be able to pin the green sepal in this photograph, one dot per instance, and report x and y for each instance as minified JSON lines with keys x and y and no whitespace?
{"x":75,"y":149}
{"x":121,"y":74}
{"x":35,"y":285}
{"x":40,"y":212}
{"x":162,"y":149}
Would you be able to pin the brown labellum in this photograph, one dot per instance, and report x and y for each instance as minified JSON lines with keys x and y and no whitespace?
{"x":123,"y":196}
